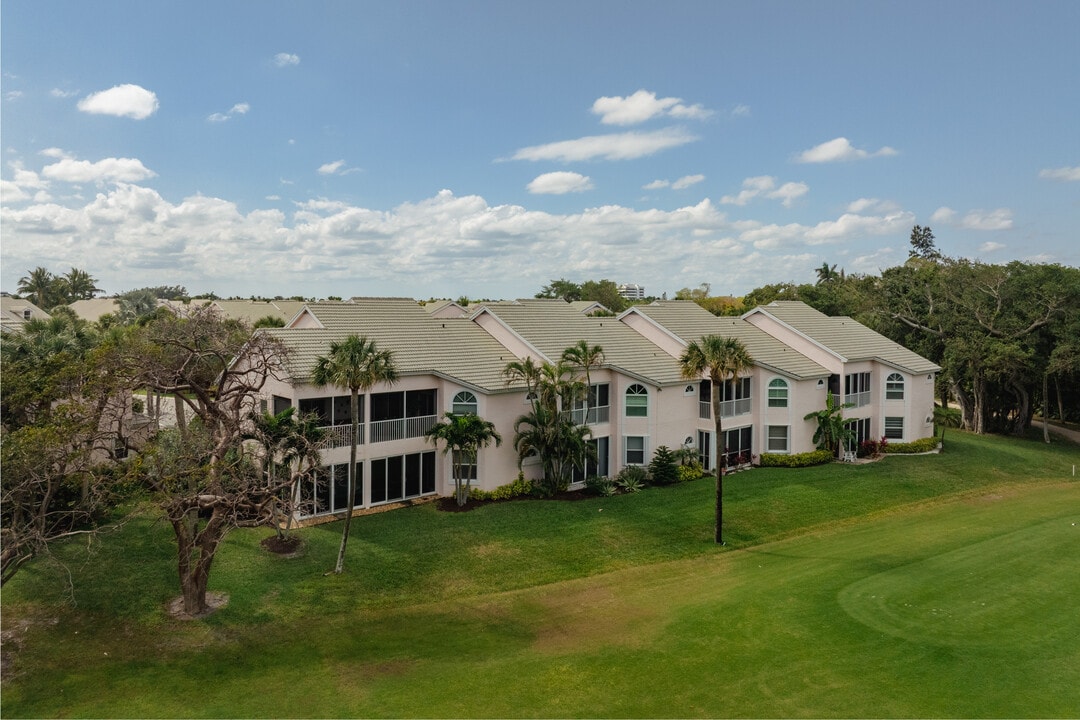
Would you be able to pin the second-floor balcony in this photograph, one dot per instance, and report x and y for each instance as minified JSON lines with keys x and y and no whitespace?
{"x":597,"y":415}
{"x":341,"y":436}
{"x":401,"y":428}
{"x":860,"y":399}
{"x":728,"y":408}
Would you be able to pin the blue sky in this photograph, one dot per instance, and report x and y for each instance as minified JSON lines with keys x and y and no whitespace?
{"x":439,"y":149}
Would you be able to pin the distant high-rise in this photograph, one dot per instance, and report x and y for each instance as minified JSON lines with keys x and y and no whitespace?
{"x":631,"y":291}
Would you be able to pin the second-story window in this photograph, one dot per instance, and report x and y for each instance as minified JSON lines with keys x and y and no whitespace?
{"x":464,"y":402}
{"x":894,"y":387}
{"x":778,"y":393}
{"x":637,"y":401}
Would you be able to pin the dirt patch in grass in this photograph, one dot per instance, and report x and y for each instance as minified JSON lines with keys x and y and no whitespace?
{"x":287,"y":546}
{"x":449,"y":504}
{"x":214,"y":601}
{"x":591,"y":615}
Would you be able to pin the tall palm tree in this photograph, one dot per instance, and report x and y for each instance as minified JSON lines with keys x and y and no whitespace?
{"x":720,"y":358}
{"x":78,"y":285}
{"x":463,"y":436}
{"x":41,"y":285}
{"x":560,"y":444}
{"x":357,"y":364}
{"x":586,"y":357}
{"x":289,"y":442}
{"x":528,"y":372}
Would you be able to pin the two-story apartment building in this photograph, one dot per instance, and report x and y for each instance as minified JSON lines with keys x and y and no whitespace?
{"x":453,"y":358}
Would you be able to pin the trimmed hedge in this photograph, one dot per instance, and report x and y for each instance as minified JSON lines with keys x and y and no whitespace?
{"x":918,"y":446}
{"x":519,"y":487}
{"x":817,"y":457}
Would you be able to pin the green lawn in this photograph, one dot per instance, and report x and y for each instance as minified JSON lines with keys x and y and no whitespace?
{"x":944,"y":585}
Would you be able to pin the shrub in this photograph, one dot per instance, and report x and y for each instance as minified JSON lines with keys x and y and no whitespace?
{"x":918,"y":446}
{"x":873,"y":448}
{"x":519,"y":487}
{"x":690,"y":471}
{"x":603,"y":486}
{"x":817,"y":457}
{"x":662,"y":469}
{"x":631,"y":478}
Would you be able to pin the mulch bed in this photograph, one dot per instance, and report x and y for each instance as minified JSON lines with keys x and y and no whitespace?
{"x":449,"y":504}
{"x":281,"y":545}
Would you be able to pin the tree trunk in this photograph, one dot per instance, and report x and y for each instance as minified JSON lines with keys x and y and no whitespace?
{"x":967,"y":409}
{"x":195,"y":555}
{"x":1046,"y":408}
{"x":354,"y":408}
{"x":1060,"y":404}
{"x":721,"y":454}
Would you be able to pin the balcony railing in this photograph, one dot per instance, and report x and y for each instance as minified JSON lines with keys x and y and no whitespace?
{"x":728,"y":408}
{"x":341,"y":435}
{"x":401,"y":428}
{"x":860,"y":399}
{"x":597,"y":415}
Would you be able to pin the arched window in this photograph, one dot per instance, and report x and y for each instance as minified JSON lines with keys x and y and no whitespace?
{"x":894,"y":387}
{"x":637,"y":401}
{"x":464,"y":402}
{"x":778,"y":393}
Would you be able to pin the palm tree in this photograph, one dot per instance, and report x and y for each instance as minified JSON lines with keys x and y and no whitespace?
{"x":525,"y":371}
{"x":78,"y":285}
{"x":354,"y":363}
{"x":40,"y":284}
{"x":585,"y":357}
{"x":832,"y":432}
{"x":560,"y":444}
{"x":721,"y":358}
{"x":826,"y":273}
{"x":291,"y":443}
{"x":463,"y":436}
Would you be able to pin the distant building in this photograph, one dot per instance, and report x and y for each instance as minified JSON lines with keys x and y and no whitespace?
{"x":631,"y":291}
{"x":16,"y":312}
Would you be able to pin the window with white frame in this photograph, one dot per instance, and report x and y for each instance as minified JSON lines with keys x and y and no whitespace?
{"x":894,"y":387}
{"x":635,"y":450}
{"x":857,"y":388}
{"x":778,"y":438}
{"x":637,"y":401}
{"x":778,"y":393}
{"x":464,"y":402}
{"x":894,"y":428}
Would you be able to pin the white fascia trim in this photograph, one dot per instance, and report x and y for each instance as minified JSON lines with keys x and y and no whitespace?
{"x":798,"y":332}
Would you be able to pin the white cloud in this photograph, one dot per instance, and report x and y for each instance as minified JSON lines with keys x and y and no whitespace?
{"x":13,"y":94}
{"x":128,"y":100}
{"x":644,"y":105}
{"x":989,"y":247}
{"x":58,"y":93}
{"x":839,"y":150}
{"x":872,"y":205}
{"x":944,"y":215}
{"x":286,"y":59}
{"x":765,"y":186}
{"x":1000,"y":219}
{"x":741,"y":111}
{"x":331,"y":168}
{"x":657,"y":185}
{"x":116,"y":170}
{"x":622,"y":146}
{"x":1064,"y":174}
{"x":237,"y":109}
{"x":55,"y":153}
{"x":686,"y":181}
{"x":559,"y":183}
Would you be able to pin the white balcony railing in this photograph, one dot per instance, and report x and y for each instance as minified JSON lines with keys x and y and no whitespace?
{"x":860,"y":399}
{"x":597,"y":415}
{"x":401,"y":428}
{"x":341,"y":436}
{"x":728,"y":408}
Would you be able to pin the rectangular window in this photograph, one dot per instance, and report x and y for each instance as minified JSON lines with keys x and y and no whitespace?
{"x":635,"y":450}
{"x":861,"y":429}
{"x":704,"y":444}
{"x":280,"y":404}
{"x":857,"y":388}
{"x":402,"y":476}
{"x":637,"y":406}
{"x":778,"y":438}
{"x":894,"y":428}
{"x":738,"y":446}
{"x":597,"y":467}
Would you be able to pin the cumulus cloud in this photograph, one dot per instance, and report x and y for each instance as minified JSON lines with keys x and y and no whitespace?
{"x":621,"y":146}
{"x":1064,"y":174}
{"x":644,"y":105}
{"x":237,"y":109}
{"x":657,"y":185}
{"x":130,"y":101}
{"x":58,"y":93}
{"x":765,"y":186}
{"x":989,"y":247}
{"x":332,"y":168}
{"x":872,"y":205}
{"x":839,"y":150}
{"x":999,"y":219}
{"x":559,"y":183}
{"x":686,"y":181}
{"x":286,"y":59}
{"x":115,"y":170}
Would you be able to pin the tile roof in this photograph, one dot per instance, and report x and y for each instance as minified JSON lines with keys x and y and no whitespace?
{"x":689,"y":321}
{"x":551,"y":326}
{"x":846,"y":337}
{"x":452,"y":347}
